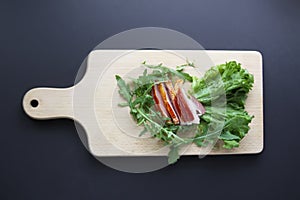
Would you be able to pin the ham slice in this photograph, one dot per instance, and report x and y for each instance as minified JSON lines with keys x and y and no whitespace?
{"x":199,"y":107}
{"x":159,"y":104}
{"x":168,"y":103}
{"x":171,"y":90}
{"x":185,"y":108}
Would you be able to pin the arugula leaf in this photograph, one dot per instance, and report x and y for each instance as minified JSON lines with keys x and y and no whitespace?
{"x":124,"y":88}
{"x":178,"y":72}
{"x":202,"y":130}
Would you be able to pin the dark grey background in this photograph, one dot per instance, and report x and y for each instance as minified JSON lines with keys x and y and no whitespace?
{"x":43,"y":44}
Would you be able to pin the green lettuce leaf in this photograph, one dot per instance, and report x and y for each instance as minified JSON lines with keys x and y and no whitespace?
{"x":236,"y":82}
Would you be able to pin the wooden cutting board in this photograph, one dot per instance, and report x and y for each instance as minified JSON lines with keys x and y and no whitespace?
{"x":109,"y":129}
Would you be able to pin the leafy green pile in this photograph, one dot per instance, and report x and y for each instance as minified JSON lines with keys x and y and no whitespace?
{"x":236,"y":82}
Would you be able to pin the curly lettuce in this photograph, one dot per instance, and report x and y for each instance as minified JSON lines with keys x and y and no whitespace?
{"x":236,"y":82}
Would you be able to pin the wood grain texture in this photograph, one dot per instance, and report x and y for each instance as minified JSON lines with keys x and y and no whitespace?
{"x":110,"y":129}
{"x":51,"y":103}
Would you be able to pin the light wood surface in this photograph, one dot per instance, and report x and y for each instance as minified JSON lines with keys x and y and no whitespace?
{"x":110,"y":130}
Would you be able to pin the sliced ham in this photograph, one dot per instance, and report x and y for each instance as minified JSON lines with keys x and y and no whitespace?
{"x":178,"y":84}
{"x":185,"y":108}
{"x":168,"y":103}
{"x":171,"y":90}
{"x":199,"y":107}
{"x":159,"y":104}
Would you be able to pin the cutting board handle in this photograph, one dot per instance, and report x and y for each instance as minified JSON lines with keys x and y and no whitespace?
{"x":49,"y":103}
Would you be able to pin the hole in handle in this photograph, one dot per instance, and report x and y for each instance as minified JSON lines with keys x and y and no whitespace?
{"x":34,"y":103}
